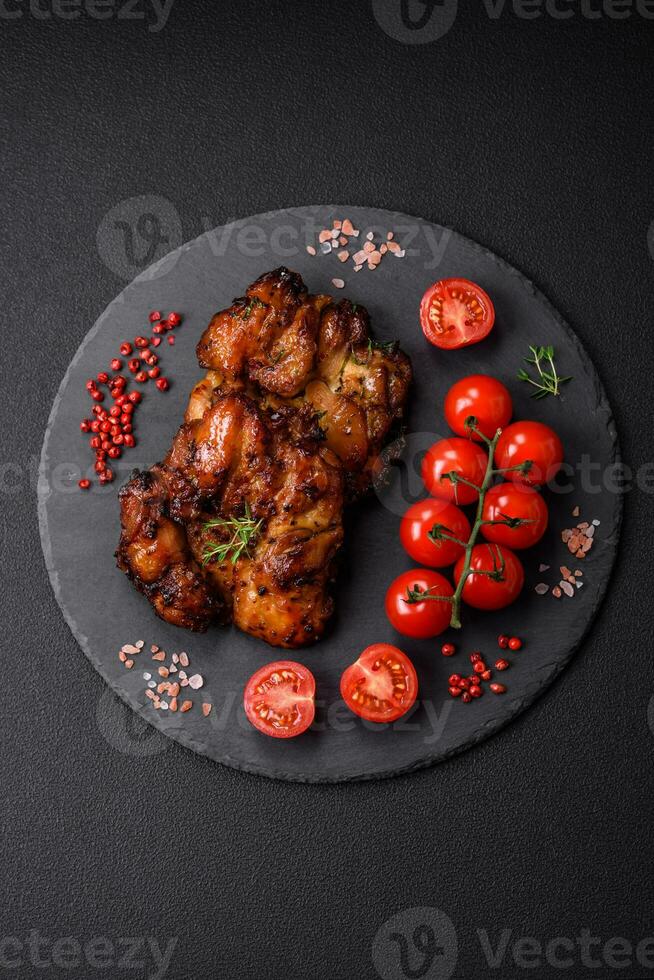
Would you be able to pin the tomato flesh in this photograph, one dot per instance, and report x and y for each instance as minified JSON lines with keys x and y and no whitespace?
{"x":508,"y":500}
{"x":532,"y":441}
{"x":483,"y":397}
{"x":484,"y":592}
{"x":459,"y":456}
{"x":456,"y":313}
{"x":381,"y":685}
{"x":419,"y":619}
{"x":420,"y":519}
{"x":279,"y":699}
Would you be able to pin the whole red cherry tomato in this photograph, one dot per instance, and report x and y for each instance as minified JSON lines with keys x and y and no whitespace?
{"x":483,"y":397}
{"x":455,"y":313}
{"x":459,"y":456}
{"x":533,"y":441}
{"x":413,"y":607}
{"x":423,"y":518}
{"x":279,"y":699}
{"x":381,"y":685}
{"x":514,"y":500}
{"x":484,"y":591}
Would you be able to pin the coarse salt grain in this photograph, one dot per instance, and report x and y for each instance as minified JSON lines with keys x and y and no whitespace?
{"x":338,"y":283}
{"x":542,"y":588}
{"x":129,"y":664}
{"x":146,"y":676}
{"x":311,"y":250}
{"x":130,"y":648}
{"x":183,"y":659}
{"x":186,"y":706}
{"x":196,"y":681}
{"x":206,"y":709}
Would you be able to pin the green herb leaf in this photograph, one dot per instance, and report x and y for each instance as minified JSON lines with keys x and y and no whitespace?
{"x":244,"y":531}
{"x":547,"y":381}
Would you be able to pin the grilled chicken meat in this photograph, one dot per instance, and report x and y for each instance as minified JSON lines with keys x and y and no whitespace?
{"x":284,"y":429}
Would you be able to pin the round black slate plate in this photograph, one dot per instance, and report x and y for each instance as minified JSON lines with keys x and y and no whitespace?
{"x":79,"y":530}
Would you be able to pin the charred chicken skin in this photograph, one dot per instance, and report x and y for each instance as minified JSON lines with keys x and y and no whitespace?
{"x":285,"y":428}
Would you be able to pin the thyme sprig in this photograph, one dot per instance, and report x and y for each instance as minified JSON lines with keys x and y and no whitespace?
{"x":244,"y":531}
{"x":548,"y":381}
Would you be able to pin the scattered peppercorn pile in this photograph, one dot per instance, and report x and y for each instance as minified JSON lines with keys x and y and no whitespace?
{"x":112,"y":430}
{"x":469,"y":688}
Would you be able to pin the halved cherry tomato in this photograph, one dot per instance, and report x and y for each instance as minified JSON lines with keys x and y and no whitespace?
{"x":459,"y":456}
{"x":455,"y":313}
{"x":514,"y":500}
{"x":408,"y":613}
{"x":382,"y":685}
{"x":483,"y":397}
{"x":484,"y":591}
{"x":533,"y":441}
{"x":422,"y":518}
{"x":279,"y":699}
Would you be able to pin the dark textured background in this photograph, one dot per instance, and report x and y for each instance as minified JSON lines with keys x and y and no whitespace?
{"x":533,"y":137}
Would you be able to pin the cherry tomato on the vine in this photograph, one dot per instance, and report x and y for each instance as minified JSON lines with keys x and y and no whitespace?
{"x":413,"y":607}
{"x":460,"y":456}
{"x":279,"y":699}
{"x":421,"y":519}
{"x":455,"y":313}
{"x":483,"y":397}
{"x":381,"y":685}
{"x":488,"y":592}
{"x":533,"y":441}
{"x":514,"y":500}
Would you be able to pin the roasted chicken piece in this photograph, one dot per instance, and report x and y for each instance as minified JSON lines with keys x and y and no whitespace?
{"x":298,"y":348}
{"x":247,"y":507}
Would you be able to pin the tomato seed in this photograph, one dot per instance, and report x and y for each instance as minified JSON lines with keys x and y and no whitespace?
{"x":515,"y":643}
{"x":448,"y":649}
{"x":502,"y":664}
{"x":498,"y":688}
{"x":503,"y":641}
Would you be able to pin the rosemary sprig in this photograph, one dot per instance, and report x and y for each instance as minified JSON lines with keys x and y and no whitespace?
{"x":548,"y":381}
{"x":244,"y":531}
